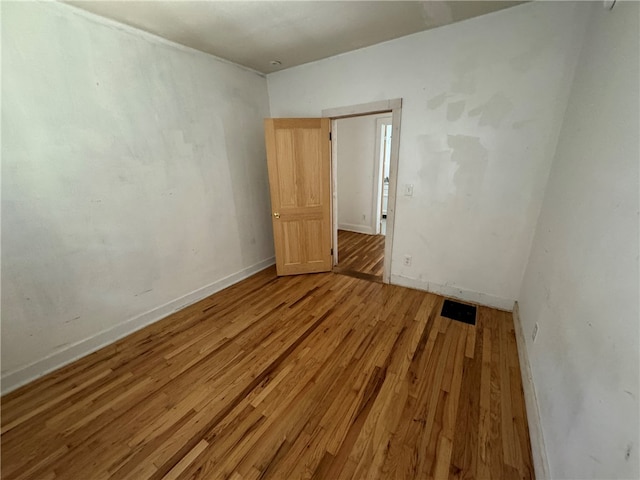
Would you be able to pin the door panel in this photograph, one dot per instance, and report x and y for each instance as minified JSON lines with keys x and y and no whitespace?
{"x":299,"y":161}
{"x":315,"y":249}
{"x":292,"y":240}
{"x":286,"y":168}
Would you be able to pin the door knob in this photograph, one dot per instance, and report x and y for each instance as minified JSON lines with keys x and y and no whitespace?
{"x":276,"y":214}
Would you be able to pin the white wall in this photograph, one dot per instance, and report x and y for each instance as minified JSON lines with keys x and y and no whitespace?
{"x":581,"y":283}
{"x":483,"y":101}
{"x":134,"y":181}
{"x":358,"y":172}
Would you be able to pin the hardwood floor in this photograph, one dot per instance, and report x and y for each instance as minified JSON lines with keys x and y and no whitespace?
{"x":311,"y":376}
{"x":360,"y":253}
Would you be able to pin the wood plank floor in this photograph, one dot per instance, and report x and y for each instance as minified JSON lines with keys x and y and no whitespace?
{"x":312,"y":376}
{"x":360,"y":253}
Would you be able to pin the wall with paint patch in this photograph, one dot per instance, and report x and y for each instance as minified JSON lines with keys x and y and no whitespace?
{"x":358,"y":169}
{"x":134,"y":176}
{"x":581,"y":284}
{"x":483,"y":101}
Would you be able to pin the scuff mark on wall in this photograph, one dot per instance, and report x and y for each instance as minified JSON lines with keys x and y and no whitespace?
{"x":522,"y":123}
{"x":142,"y":293}
{"x":437,"y":101}
{"x":472,"y":159}
{"x":453,"y":166}
{"x":436,"y":170}
{"x":455,"y":110}
{"x":494,"y":111}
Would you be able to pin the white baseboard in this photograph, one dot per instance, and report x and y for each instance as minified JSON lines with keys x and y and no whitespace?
{"x":538,"y":450}
{"x":453,"y":292}
{"x":356,"y":228}
{"x":23,"y":375}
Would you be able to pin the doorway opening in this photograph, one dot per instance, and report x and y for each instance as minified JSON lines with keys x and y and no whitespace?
{"x":361,"y":143}
{"x":384,"y":129}
{"x":364,"y":165}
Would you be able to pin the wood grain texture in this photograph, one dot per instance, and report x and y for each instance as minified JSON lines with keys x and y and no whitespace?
{"x":360,"y":254}
{"x":313,"y":376}
{"x":299,"y":164}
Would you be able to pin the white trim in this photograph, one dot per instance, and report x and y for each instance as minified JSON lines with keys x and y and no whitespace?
{"x":394,"y":163}
{"x":378,"y":181}
{"x":363,"y":109}
{"x":378,"y":168}
{"x":124,"y":28}
{"x":23,"y":375}
{"x":395,"y":106}
{"x":538,"y":450}
{"x":334,"y":187}
{"x":453,"y":292}
{"x":356,"y":228}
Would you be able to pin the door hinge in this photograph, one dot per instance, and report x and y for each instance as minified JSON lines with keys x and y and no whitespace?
{"x":332,"y":251}
{"x":329,"y":136}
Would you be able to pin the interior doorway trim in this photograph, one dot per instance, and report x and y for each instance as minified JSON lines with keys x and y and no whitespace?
{"x":395,"y":107}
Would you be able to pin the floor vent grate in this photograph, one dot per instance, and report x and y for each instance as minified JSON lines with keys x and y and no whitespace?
{"x":459,"y":311}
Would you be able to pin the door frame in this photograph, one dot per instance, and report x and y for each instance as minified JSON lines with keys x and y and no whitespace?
{"x":379,"y":161}
{"x":395,"y":107}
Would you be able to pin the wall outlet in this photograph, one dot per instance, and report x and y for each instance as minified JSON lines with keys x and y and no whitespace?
{"x":407,"y":260}
{"x":408,"y":190}
{"x":534,"y":334}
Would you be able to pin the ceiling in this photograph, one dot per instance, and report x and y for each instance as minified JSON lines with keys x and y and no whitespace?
{"x":253,"y":33}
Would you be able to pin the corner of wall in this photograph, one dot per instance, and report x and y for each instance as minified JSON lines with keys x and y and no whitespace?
{"x":538,"y":450}
{"x":13,"y":380}
{"x":581,"y":30}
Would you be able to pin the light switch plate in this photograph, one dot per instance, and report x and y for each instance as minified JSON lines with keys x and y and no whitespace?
{"x":408,"y":190}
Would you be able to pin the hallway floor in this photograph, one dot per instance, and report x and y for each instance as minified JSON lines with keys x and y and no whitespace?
{"x":361,"y":253}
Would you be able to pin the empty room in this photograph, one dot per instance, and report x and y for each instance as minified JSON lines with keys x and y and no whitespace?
{"x":320,"y":239}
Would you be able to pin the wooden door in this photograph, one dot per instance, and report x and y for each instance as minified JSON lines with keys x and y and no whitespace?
{"x":299,"y":162}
